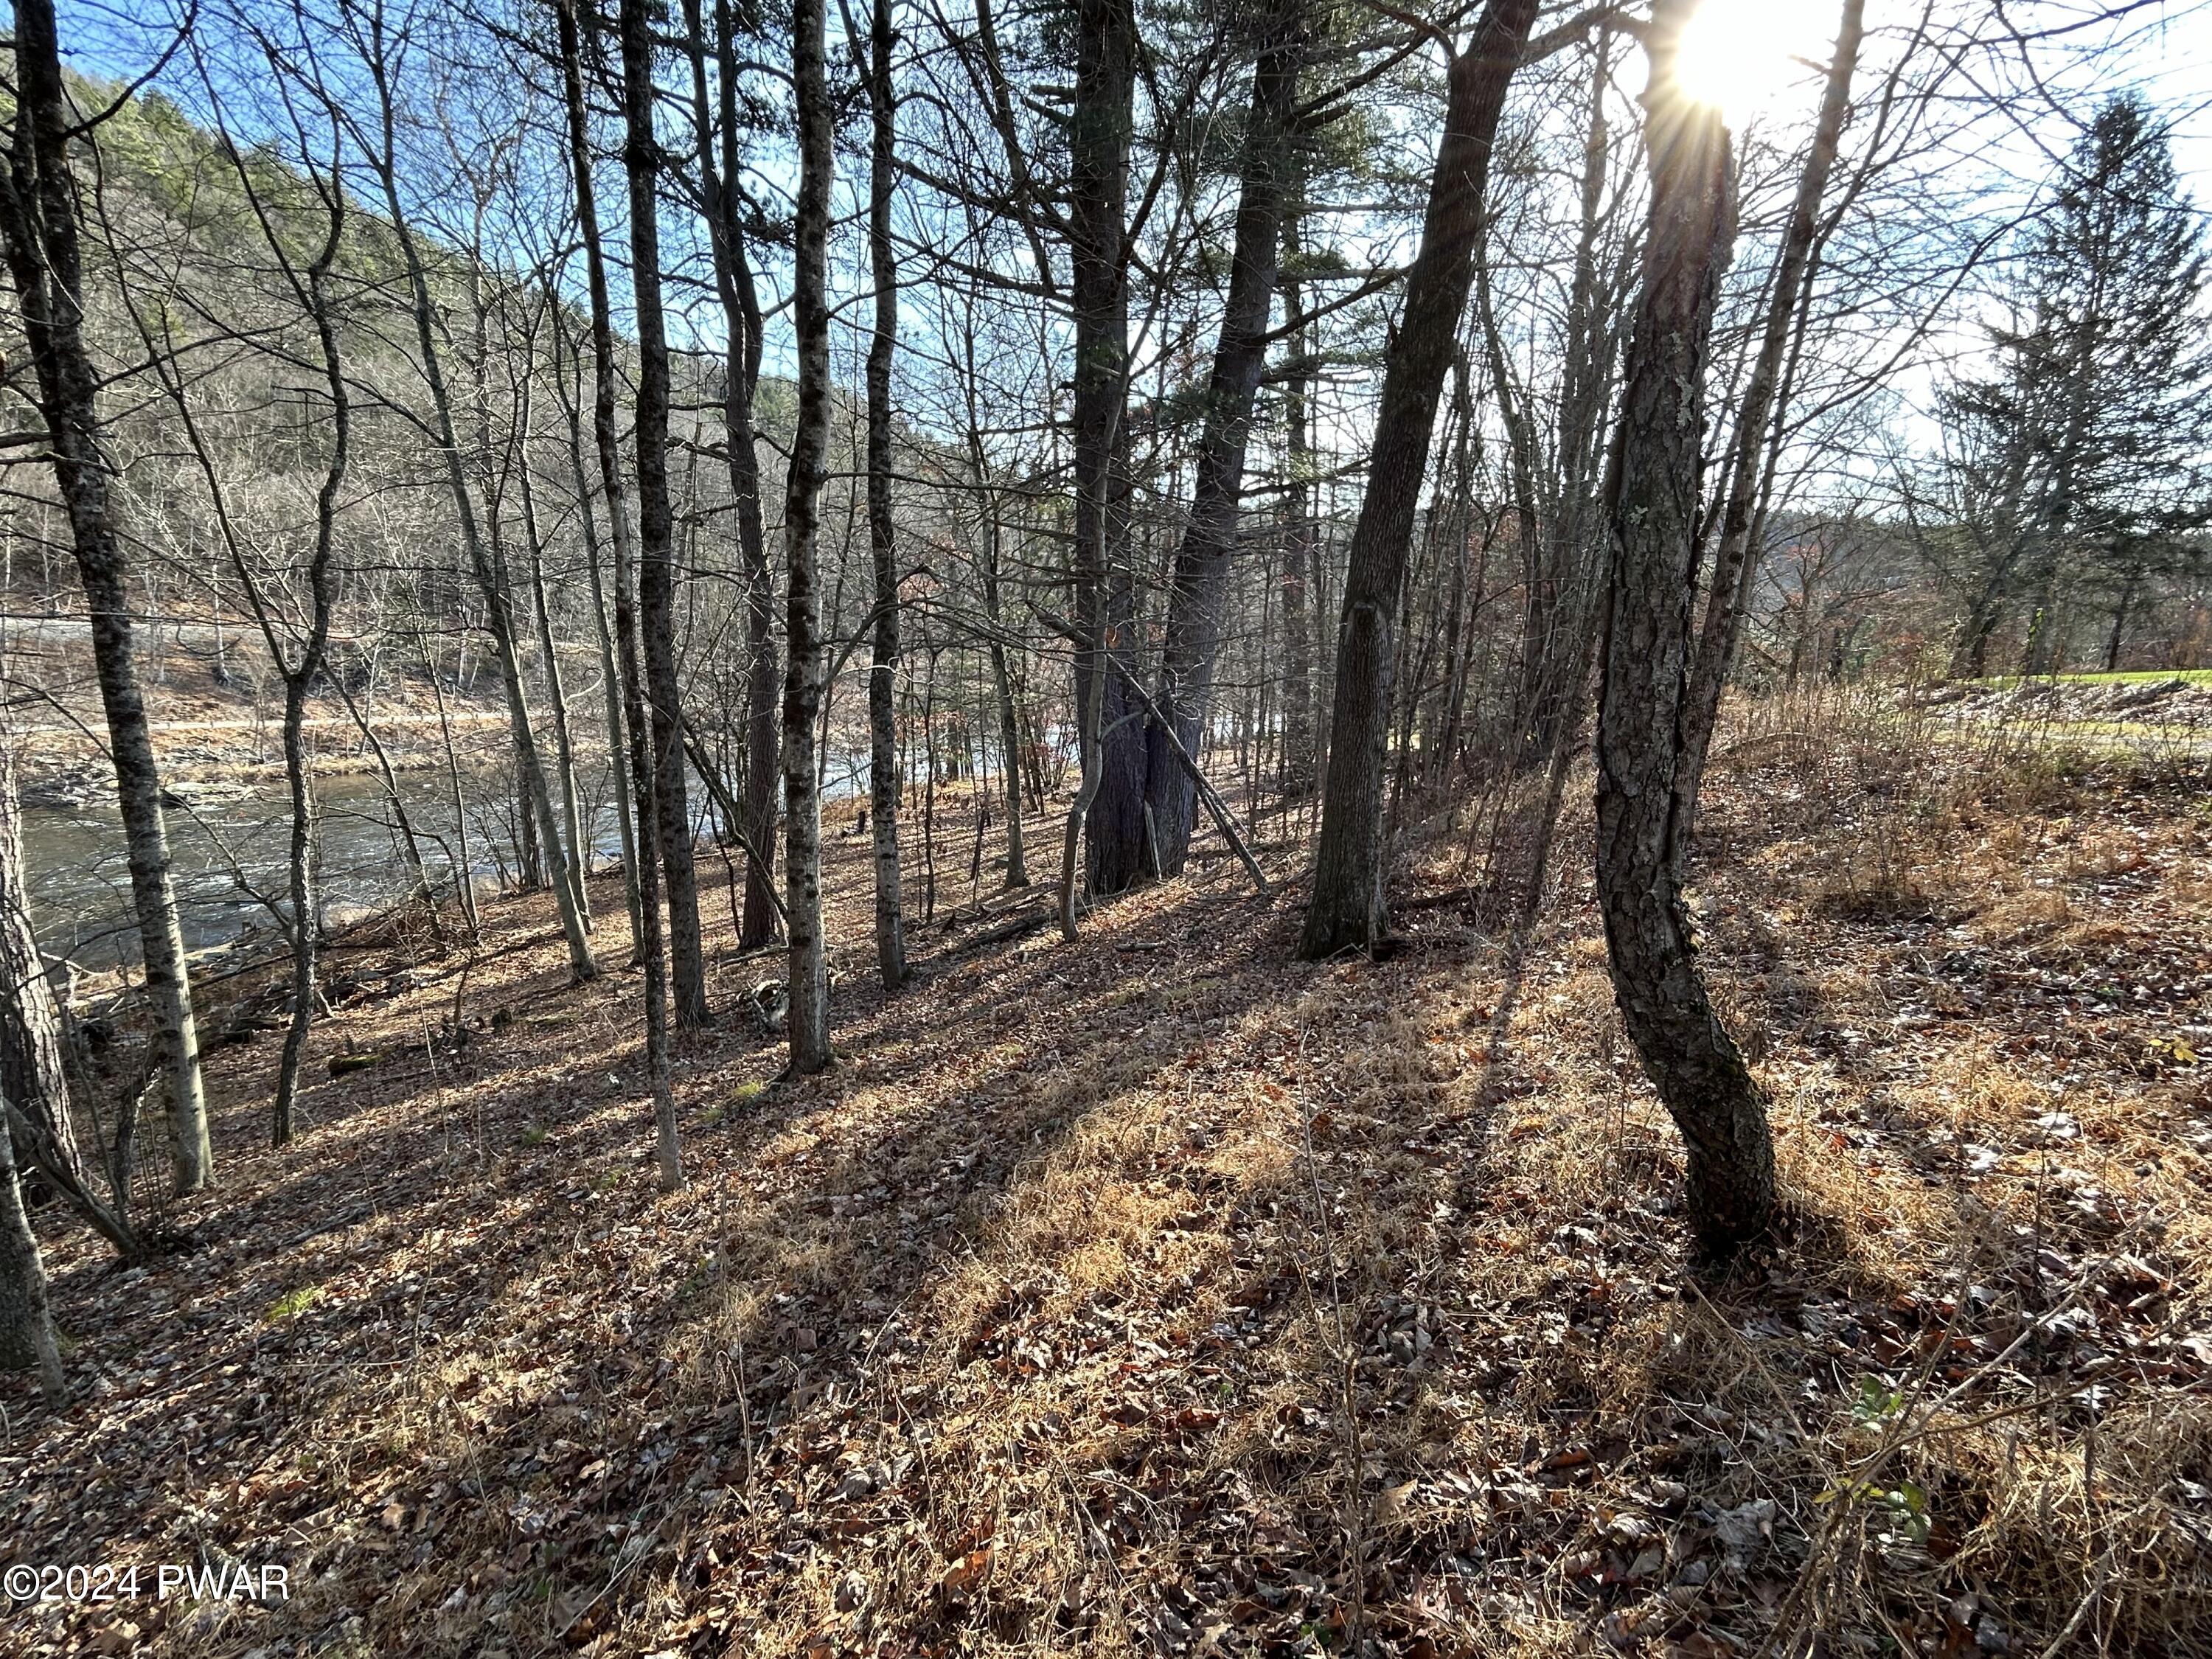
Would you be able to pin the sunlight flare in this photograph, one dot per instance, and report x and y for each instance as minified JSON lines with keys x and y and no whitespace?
{"x":1744,"y":56}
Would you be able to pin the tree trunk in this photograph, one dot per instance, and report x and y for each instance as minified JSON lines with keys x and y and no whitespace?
{"x":1089,"y":714}
{"x":401,"y":818}
{"x":301,"y":676}
{"x":883,"y":664}
{"x":37,"y":221}
{"x":1970,"y":657}
{"x":1734,"y":560}
{"x":1346,"y":908}
{"x":734,"y":281}
{"x":1652,"y":508}
{"x":2120,"y":609}
{"x":34,"y":1072}
{"x":556,"y":693}
{"x":1193,"y":637}
{"x":1300,"y":534}
{"x":499,"y":611}
{"x":1437,"y":763}
{"x":463,"y":871}
{"x":610,"y":674}
{"x":1567,"y":561}
{"x":809,"y":986}
{"x":1098,"y":187}
{"x":27,"y":1321}
{"x":650,"y":949}
{"x":1002,"y":691}
{"x":656,"y":571}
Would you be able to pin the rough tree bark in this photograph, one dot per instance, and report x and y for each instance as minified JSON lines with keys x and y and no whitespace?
{"x":884,"y":662}
{"x":656,"y":567}
{"x":651,"y":948}
{"x":39,"y":225}
{"x":809,"y":987}
{"x":1100,"y":122}
{"x":1300,"y":530}
{"x":26,"y":1321}
{"x":1193,"y":634}
{"x":34,"y":1072}
{"x":1652,"y":504}
{"x":1345,"y":911}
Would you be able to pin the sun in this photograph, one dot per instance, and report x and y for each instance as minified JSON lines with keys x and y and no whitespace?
{"x":1743,"y":56}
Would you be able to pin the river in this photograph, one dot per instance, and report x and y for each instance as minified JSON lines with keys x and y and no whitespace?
{"x":228,"y":851}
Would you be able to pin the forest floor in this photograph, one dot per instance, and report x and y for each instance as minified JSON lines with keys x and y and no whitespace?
{"x":1156,"y":1293}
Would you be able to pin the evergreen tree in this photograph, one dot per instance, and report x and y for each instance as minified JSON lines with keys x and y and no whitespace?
{"x":2081,"y":459}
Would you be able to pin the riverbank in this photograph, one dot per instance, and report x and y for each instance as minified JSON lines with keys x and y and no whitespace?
{"x":216,"y":711}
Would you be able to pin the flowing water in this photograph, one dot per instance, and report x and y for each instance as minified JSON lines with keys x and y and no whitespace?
{"x":229,"y":850}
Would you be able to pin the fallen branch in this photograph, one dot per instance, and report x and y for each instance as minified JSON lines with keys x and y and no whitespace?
{"x":733,"y":818}
{"x":47,"y":1158}
{"x":1029,"y":921}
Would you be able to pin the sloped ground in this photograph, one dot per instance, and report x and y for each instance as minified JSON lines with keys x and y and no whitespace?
{"x":1157,"y":1294}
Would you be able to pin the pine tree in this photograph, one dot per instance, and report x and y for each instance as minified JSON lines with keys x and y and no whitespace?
{"x":2083,"y":453}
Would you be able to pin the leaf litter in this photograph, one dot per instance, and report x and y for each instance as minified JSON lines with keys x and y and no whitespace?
{"x":1158,"y":1294}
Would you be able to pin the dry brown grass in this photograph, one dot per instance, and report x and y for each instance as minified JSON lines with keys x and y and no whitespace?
{"x":1156,"y":1294}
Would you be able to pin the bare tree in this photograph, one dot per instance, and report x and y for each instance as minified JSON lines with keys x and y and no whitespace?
{"x":744,"y":332}
{"x":298,"y":662}
{"x":39,"y":225}
{"x":883,"y":546}
{"x":1752,"y":467}
{"x":1197,"y":597}
{"x":1653,"y":508}
{"x":1346,"y":910}
{"x":379,"y":53}
{"x":656,"y":571}
{"x":651,"y":948}
{"x":809,"y":987}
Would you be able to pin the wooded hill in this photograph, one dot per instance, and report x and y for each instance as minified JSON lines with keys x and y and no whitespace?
{"x":1463,"y":1013}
